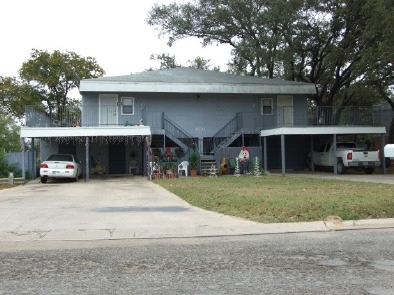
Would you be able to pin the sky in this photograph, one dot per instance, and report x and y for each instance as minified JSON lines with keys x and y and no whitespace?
{"x":114,"y":32}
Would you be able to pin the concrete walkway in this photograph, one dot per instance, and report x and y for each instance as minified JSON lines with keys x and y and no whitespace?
{"x":126,"y":208}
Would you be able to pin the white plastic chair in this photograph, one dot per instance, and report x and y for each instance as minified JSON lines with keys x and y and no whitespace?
{"x":133,"y":166}
{"x":183,"y":167}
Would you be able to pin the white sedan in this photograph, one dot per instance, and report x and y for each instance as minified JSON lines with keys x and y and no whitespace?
{"x":60,"y":166}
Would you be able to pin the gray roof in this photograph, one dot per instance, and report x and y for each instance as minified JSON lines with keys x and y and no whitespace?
{"x":191,"y":80}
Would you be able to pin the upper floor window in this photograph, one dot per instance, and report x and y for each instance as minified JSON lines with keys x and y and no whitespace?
{"x":266,"y":106}
{"x":127,"y":105}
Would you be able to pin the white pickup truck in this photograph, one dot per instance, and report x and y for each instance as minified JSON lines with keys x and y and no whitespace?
{"x":348,"y":156}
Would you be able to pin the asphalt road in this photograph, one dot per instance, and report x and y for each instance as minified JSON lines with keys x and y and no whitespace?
{"x":338,"y":262}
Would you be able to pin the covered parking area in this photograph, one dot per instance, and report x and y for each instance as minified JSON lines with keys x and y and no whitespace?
{"x":318,"y":131}
{"x":84,"y":136}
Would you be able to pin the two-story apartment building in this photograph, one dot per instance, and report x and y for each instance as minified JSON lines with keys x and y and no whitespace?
{"x":212,"y":112}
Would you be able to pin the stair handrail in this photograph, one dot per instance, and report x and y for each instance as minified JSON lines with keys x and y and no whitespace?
{"x":175,"y":130}
{"x":231,"y":127}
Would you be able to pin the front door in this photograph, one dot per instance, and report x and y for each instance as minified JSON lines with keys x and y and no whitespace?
{"x":108,"y":114}
{"x":117,"y":158}
{"x":285,"y":110}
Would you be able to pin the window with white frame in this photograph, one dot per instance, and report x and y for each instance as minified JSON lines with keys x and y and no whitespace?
{"x":266,"y":106}
{"x":127,"y":105}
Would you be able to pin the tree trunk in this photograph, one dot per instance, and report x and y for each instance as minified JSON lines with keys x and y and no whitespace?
{"x":391,"y":131}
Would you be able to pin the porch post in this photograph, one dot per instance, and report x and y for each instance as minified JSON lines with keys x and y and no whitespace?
{"x":334,"y":149}
{"x":22,"y":141}
{"x":33,"y":160}
{"x":265,"y":154}
{"x":312,"y":156}
{"x":87,"y":171}
{"x":382,"y":154}
{"x":282,"y":143}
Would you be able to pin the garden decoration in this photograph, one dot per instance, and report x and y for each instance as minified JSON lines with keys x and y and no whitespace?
{"x":236,"y":171}
{"x":223,"y":165}
{"x":212,"y":171}
{"x":167,"y":154}
{"x":244,"y":159}
{"x":256,"y":168}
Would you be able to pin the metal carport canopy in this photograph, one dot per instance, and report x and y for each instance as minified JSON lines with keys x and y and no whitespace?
{"x":40,"y":132}
{"x":86,"y":132}
{"x":321,"y":130}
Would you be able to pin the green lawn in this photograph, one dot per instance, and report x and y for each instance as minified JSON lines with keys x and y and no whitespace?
{"x":275,"y":198}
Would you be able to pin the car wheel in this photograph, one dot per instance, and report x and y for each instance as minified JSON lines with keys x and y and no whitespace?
{"x":369,"y":170}
{"x":44,"y":180}
{"x":340,"y":167}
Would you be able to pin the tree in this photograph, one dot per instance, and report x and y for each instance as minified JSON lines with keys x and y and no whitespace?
{"x":322,"y":42}
{"x":169,"y":62}
{"x":47,"y":78}
{"x":15,"y":95}
{"x":202,"y":64}
{"x":9,"y":137}
{"x":166,"y":61}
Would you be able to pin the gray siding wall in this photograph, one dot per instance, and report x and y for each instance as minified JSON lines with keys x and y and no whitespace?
{"x":201,"y":115}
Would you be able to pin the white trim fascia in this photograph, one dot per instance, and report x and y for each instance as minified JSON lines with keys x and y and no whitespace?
{"x":107,"y":86}
{"x":323,"y":130}
{"x":84,"y":131}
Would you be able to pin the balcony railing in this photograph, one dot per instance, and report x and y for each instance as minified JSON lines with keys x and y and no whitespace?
{"x":316,"y":116}
{"x":39,"y":116}
{"x":97,"y":116}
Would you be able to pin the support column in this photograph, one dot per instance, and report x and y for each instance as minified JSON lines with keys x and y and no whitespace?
{"x":334,"y":149}
{"x":265,"y":154}
{"x":283,"y":149}
{"x":87,"y":170}
{"x":312,"y":156}
{"x":200,"y":145}
{"x":23,"y":158}
{"x":33,"y":160}
{"x":382,"y":154}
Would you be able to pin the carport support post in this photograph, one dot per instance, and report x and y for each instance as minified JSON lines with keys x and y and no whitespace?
{"x":382,"y":154}
{"x":87,"y":159}
{"x":22,"y":141}
{"x":334,"y":149}
{"x":265,"y":153}
{"x":312,"y":165}
{"x":282,"y":144}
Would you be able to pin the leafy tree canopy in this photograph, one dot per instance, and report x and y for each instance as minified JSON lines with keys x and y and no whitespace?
{"x":333,"y":44}
{"x":47,"y":78}
{"x":9,"y":137}
{"x":169,"y":62}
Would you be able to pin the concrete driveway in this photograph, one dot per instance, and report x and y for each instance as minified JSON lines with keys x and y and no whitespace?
{"x":124,"y":208}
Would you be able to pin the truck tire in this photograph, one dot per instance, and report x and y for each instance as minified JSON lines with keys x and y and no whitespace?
{"x":341,"y":169}
{"x":369,"y":170}
{"x":44,"y":180}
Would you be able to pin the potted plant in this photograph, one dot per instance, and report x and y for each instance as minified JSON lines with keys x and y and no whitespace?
{"x":194,"y":159}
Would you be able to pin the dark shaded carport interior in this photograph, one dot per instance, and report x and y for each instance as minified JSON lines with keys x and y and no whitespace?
{"x":313,"y":132}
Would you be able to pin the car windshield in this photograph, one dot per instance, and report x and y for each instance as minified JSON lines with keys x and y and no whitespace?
{"x":63,"y":158}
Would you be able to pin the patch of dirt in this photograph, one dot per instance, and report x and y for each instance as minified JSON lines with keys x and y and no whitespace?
{"x":5,"y":186}
{"x":334,"y":219}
